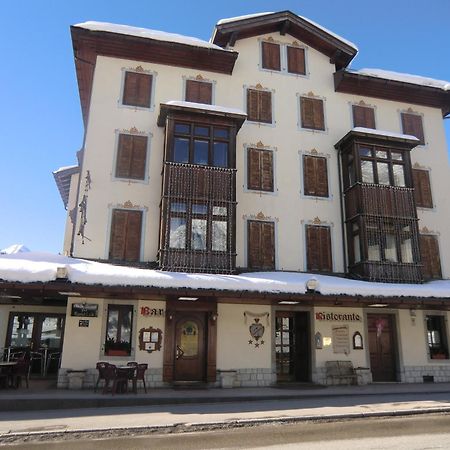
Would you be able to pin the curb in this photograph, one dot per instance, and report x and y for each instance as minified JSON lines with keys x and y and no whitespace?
{"x":57,"y":435}
{"x":41,"y":404}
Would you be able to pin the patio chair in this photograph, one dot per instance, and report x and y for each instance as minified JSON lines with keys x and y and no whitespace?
{"x":21,"y":370}
{"x":101,"y":367}
{"x":140,"y":376}
{"x":115,"y":380}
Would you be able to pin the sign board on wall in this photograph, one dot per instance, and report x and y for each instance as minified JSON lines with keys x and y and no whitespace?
{"x":84,"y":309}
{"x":337,"y":317}
{"x":341,"y":339}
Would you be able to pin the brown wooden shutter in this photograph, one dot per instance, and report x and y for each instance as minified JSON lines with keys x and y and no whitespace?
{"x":266,"y":165}
{"x":268,"y":246}
{"x":363,"y":116}
{"x":131,"y":156}
{"x":312,"y":113}
{"x":412,"y":124}
{"x":126,"y":228}
{"x":315,"y":176}
{"x":252,"y":105}
{"x":261,"y":245}
{"x":124,"y":156}
{"x":198,"y":91}
{"x":318,"y":249}
{"x":422,"y":188}
{"x":429,"y":252}
{"x":137,"y":89}
{"x":254,"y":241}
{"x":253,"y":169}
{"x":296,"y":60}
{"x":265,"y":106}
{"x":270,"y":56}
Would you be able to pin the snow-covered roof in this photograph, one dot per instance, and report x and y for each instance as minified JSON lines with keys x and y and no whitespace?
{"x":247,"y":16}
{"x":65,"y":168}
{"x":147,"y":34}
{"x":15,"y":248}
{"x":206,"y":107}
{"x":252,"y":16}
{"x":42,"y":267}
{"x":385,"y":133}
{"x":404,"y":78}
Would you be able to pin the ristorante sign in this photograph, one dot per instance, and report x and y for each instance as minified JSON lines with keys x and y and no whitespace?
{"x":338,"y":317}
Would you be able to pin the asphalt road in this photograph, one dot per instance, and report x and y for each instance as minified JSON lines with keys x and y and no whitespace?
{"x":430,"y":431}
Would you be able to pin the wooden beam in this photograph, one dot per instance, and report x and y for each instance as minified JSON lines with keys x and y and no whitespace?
{"x":284,"y":27}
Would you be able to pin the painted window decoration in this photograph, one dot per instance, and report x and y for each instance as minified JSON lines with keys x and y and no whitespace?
{"x":430,"y":256}
{"x":198,"y":226}
{"x":363,"y":116}
{"x":260,"y":170}
{"x":261,"y":245}
{"x":312,"y":113}
{"x":273,"y":53}
{"x":119,"y":330}
{"x":189,"y":342}
{"x":412,"y":124}
{"x":198,"y":91}
{"x":437,"y":337}
{"x":259,"y":105}
{"x":315,"y":176}
{"x":125,"y":239}
{"x":422,"y":188}
{"x":131,"y":157}
{"x":137,"y":89}
{"x":201,"y":144}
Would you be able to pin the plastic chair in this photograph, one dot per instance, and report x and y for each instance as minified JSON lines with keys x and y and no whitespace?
{"x":117,"y":379}
{"x":140,"y":376}
{"x":101,"y":367}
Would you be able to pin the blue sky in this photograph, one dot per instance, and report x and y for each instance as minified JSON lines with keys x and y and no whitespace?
{"x":41,"y":118}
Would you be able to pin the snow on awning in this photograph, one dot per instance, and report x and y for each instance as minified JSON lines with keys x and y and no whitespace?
{"x":235,"y":114}
{"x":42,"y":267}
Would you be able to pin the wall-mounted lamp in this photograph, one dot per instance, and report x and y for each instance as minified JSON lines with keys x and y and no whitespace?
{"x":311,"y":285}
{"x":213,"y":316}
{"x":412,"y":314}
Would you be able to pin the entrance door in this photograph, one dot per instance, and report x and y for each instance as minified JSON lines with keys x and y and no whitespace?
{"x":292,"y":346}
{"x":40,"y":333}
{"x":190,"y":347}
{"x":382,"y":346}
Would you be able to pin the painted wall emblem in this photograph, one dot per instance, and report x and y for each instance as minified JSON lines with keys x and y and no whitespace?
{"x":256,"y":332}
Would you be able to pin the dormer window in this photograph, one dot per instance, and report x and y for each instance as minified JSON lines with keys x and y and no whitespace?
{"x":283,"y":58}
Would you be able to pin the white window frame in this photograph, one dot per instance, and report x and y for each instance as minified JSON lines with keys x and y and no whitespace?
{"x":147,"y":158}
{"x":154,"y":74}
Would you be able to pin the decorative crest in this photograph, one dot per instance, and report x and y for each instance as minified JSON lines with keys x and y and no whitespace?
{"x":199,"y":77}
{"x":260,"y":216}
{"x":317,"y":221}
{"x":139,"y":69}
{"x":295,"y":44}
{"x":134,"y":130}
{"x":362,"y":103}
{"x":311,"y":94}
{"x":259,"y":144}
{"x":314,"y":152}
{"x":270,"y":39}
{"x":128,"y":204}
{"x":258,"y":86}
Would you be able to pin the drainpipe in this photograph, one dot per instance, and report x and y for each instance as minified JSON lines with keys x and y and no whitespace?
{"x":341,"y":202}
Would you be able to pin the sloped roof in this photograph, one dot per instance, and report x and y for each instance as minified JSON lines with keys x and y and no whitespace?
{"x":62,"y":176}
{"x":340,"y":50}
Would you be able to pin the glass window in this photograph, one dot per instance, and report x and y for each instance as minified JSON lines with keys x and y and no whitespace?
{"x":383,"y":173}
{"x":367,"y":172}
{"x":221,"y":133}
{"x":199,"y":209}
{"x":390,"y":250}
{"x":201,"y":150}
{"x":198,"y":234}
{"x":182,"y":128}
{"x":177,"y":238}
{"x":118,"y":330}
{"x":356,"y":249}
{"x":373,"y":246}
{"x":201,"y":131}
{"x":181,"y":150}
{"x":437,"y":337}
{"x":220,"y":157}
{"x":364,"y":151}
{"x":22,"y":331}
{"x":406,"y":249}
{"x":399,"y":174}
{"x":396,"y":156}
{"x":219,"y":236}
{"x":220,"y":211}
{"x":189,"y":339}
{"x":178,"y":207}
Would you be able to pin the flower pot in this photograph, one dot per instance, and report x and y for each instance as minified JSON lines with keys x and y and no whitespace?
{"x":112,"y":352}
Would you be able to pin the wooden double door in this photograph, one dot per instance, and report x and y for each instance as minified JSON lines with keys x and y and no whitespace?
{"x":190,"y":343}
{"x":292,"y":346}
{"x":382,"y":346}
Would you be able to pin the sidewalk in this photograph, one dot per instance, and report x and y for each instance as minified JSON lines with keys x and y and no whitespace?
{"x":40,"y":414}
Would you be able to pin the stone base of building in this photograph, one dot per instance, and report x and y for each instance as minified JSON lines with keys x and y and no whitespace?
{"x":436,"y":373}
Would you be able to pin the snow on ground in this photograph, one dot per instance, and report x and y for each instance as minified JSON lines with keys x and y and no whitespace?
{"x":404,"y":77}
{"x":41,"y":267}
{"x":147,"y":34}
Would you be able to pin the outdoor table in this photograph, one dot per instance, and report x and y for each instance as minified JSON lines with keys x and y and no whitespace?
{"x":127,"y":371}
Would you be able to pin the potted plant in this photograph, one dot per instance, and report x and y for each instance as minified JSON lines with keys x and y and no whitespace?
{"x":117,"y":348}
